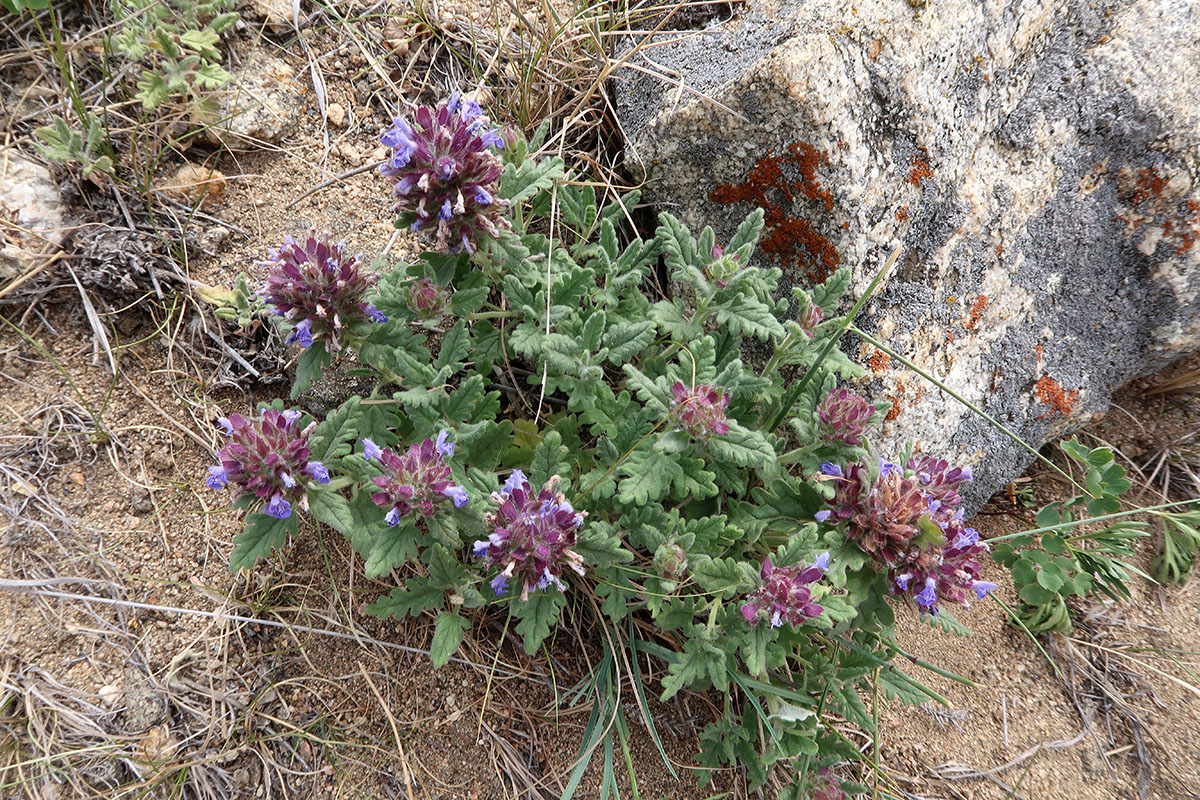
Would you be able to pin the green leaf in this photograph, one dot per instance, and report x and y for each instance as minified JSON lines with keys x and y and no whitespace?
{"x":754,"y":648}
{"x":655,"y":395}
{"x":523,"y":182}
{"x":549,"y":459}
{"x":312,"y":360}
{"x":262,"y":534}
{"x":415,"y":597}
{"x":601,"y":546}
{"x":366,"y":521}
{"x":1035,"y":595}
{"x":394,"y":546}
{"x":333,"y":437}
{"x":750,"y":317}
{"x":332,"y":509}
{"x":447,"y":636}
{"x":203,"y":42}
{"x":724,"y":576}
{"x":947,"y":622}
{"x":744,"y":239}
{"x":827,"y":294}
{"x":468,"y":301}
{"x":456,"y":345}
{"x":669,"y":316}
{"x":537,"y":616}
{"x":650,"y":475}
{"x":742,"y":446}
{"x":700,"y":665}
{"x":899,"y":685}
{"x":483,"y":444}
{"x":625,"y":340}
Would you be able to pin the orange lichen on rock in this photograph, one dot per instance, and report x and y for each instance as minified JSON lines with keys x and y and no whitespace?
{"x":902,"y":213}
{"x":1051,"y":393}
{"x":920,"y":170}
{"x":775,"y":183}
{"x":894,"y":411}
{"x":1154,"y":200}
{"x":1150,"y":184}
{"x":879,"y":362}
{"x":976,"y":312}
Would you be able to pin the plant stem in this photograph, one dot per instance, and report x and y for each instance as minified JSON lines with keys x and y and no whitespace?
{"x":847,"y":322}
{"x":1088,"y":520}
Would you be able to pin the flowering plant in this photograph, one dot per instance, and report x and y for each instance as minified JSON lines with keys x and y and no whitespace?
{"x":642,"y":460}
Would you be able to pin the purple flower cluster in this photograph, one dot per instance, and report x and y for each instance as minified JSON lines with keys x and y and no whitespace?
{"x":910,"y":520}
{"x":532,"y":536}
{"x":317,"y":286}
{"x":416,"y":482}
{"x":700,"y":411}
{"x":844,"y":416}
{"x":784,"y":593}
{"x":444,"y":173}
{"x":267,"y":457}
{"x":427,"y":301}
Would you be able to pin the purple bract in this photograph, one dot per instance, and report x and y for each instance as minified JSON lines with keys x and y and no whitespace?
{"x":700,"y":411}
{"x":532,"y":536}
{"x":445,"y":173}
{"x":810,"y":318}
{"x":267,"y":457}
{"x":844,"y":416}
{"x":784,"y":593}
{"x":427,"y":301}
{"x":416,"y":482}
{"x":319,"y":288}
{"x":911,"y":521}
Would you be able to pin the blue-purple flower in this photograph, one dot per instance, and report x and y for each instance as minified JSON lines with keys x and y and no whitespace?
{"x":267,"y":457}
{"x":532,"y":536}
{"x":784,"y":594}
{"x":416,"y":482}
{"x":319,"y":288}
{"x":445,"y":175}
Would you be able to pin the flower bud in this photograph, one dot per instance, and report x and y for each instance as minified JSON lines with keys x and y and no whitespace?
{"x":844,"y":417}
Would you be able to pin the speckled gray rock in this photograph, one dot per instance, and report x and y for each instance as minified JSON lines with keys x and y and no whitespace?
{"x":1038,"y":160}
{"x":31,"y":214}
{"x":261,"y":105}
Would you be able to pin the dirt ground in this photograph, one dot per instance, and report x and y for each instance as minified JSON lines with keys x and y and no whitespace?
{"x":142,"y":667}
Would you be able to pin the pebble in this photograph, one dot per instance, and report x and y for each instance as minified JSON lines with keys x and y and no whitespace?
{"x":193,"y":183}
{"x":214,"y":237}
{"x":336,"y":114}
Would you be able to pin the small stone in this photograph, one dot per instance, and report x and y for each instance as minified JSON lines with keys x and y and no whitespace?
{"x":193,"y":183}
{"x":30,"y":200}
{"x":336,"y":114}
{"x":77,"y":478}
{"x":214,"y":237}
{"x":109,"y":694}
{"x":260,"y":105}
{"x":277,"y":14}
{"x":379,"y":154}
{"x":350,"y":153}
{"x":140,"y":501}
